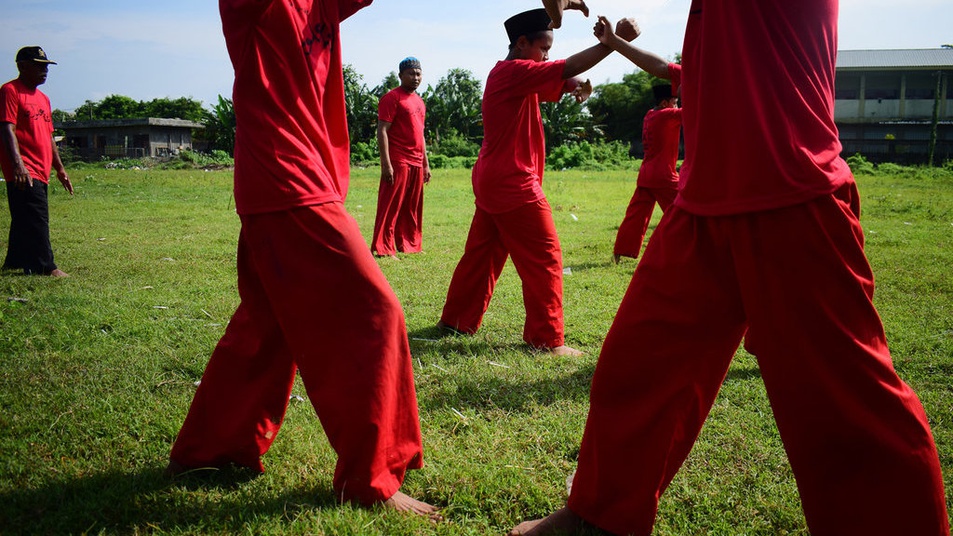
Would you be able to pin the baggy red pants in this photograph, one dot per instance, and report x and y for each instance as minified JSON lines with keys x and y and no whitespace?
{"x":398,"y":225}
{"x":528,"y":234}
{"x":314,"y":300}
{"x":628,"y":241}
{"x":796,"y":284}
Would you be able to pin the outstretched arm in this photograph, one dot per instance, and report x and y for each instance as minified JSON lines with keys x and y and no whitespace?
{"x":626,"y":30}
{"x":649,"y":62}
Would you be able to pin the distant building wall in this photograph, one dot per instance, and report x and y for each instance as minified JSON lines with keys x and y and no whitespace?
{"x":885,"y":101}
{"x":128,"y":138}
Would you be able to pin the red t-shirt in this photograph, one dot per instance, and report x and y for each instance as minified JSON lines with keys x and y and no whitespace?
{"x":758,"y":105}
{"x":29,"y":112}
{"x":660,"y":134}
{"x":509,"y":171}
{"x":406,"y":113}
{"x":291,"y":140}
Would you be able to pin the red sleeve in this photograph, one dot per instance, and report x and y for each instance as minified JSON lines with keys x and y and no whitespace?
{"x":346,"y":8}
{"x":387,"y":108}
{"x":675,"y":75}
{"x":8,"y":114}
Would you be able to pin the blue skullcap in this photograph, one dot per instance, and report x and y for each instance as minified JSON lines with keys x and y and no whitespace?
{"x":409,"y":62}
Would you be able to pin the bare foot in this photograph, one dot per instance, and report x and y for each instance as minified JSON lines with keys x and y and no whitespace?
{"x":562,"y":522}
{"x":566,"y":351}
{"x":405,"y":503}
{"x":58,"y":273}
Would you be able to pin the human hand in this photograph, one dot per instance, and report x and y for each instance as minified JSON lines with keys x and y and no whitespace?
{"x":387,"y":174}
{"x":555,"y":10}
{"x":21,"y":177}
{"x":583,"y":91}
{"x":427,"y":174}
{"x":64,"y":180}
{"x":627,"y":29}
{"x":604,"y":32}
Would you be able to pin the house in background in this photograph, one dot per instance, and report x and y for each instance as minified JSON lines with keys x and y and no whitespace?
{"x":888,"y":102}
{"x":128,"y":138}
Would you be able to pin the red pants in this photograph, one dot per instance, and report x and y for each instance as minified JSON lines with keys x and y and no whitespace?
{"x":314,"y":300}
{"x":529,"y":236}
{"x":628,"y":241}
{"x":400,"y":212}
{"x":796,"y":285}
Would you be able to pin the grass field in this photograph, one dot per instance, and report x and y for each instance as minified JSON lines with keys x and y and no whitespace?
{"x":98,"y":370}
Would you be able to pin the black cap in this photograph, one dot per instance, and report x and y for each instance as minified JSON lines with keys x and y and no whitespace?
{"x":526,"y":23}
{"x":662,"y":92}
{"x":34,"y":54}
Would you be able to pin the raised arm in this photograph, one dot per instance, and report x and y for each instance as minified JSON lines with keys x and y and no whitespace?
{"x":582,"y":61}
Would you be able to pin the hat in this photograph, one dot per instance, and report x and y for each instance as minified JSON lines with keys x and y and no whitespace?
{"x":662,"y":92}
{"x":409,"y":62}
{"x":34,"y":54}
{"x":526,"y":23}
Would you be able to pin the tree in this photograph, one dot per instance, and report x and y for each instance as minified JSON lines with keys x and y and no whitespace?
{"x":119,"y":107}
{"x":220,"y":127}
{"x":361,"y":107}
{"x":180,"y":108}
{"x":567,"y":121}
{"x":388,"y":83}
{"x":618,"y":108}
{"x":453,"y":105}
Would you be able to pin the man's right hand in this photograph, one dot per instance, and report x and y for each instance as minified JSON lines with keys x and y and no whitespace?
{"x":22,"y":178}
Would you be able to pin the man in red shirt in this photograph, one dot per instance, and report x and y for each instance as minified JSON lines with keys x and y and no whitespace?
{"x":26,"y":156}
{"x":513,"y":218}
{"x":763,"y":245}
{"x":658,"y":175}
{"x":313,"y":299}
{"x":404,"y":165}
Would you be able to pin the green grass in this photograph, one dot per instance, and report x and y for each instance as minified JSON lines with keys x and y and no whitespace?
{"x":98,"y":369}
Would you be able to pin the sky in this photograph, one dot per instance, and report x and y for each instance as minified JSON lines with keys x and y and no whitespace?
{"x":174,"y":48}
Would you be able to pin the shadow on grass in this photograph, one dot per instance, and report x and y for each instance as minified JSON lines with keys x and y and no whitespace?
{"x":479,"y":392}
{"x":146,"y":501}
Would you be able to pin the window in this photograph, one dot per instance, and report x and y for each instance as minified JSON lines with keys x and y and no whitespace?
{"x":883,"y":86}
{"x":847,"y":86}
{"x":921,"y":85}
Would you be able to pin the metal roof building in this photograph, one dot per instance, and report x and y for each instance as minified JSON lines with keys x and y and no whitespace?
{"x":893,"y":105}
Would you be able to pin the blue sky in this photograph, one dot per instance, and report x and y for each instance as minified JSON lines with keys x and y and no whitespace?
{"x":174,"y":48}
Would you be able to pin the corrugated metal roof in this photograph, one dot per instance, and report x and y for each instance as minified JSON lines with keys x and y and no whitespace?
{"x":915,"y":58}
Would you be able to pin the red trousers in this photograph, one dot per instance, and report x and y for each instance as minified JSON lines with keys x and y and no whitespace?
{"x":313,"y":300}
{"x":628,"y":241}
{"x":529,"y":236}
{"x":796,"y":285}
{"x":400,"y":212}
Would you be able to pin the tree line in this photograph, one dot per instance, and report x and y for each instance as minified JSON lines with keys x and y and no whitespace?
{"x":453,"y":128}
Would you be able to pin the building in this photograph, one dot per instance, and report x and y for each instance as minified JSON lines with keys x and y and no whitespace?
{"x":888,"y":103}
{"x":128,"y":138}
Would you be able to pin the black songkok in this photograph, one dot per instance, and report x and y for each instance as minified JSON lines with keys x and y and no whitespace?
{"x":526,"y":23}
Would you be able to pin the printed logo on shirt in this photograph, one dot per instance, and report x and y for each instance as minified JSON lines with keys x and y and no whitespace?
{"x":320,"y":34}
{"x":37,"y":114}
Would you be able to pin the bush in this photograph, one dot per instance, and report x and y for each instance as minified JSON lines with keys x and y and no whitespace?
{"x":593,"y":156}
{"x":860,"y":165}
{"x":364,"y":153}
{"x":454,"y":144}
{"x":440,"y":161}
